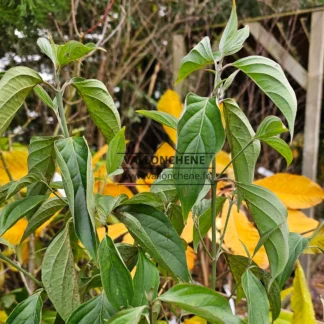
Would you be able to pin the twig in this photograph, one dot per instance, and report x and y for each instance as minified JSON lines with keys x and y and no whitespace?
{"x":18,"y":267}
{"x":109,"y":6}
{"x":73,"y":12}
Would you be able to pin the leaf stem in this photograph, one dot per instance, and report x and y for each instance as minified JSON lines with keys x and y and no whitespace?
{"x":18,"y":267}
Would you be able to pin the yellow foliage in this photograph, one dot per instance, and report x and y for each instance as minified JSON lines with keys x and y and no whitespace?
{"x":286,"y":292}
{"x":240,"y":228}
{"x":285,"y":317}
{"x":165,"y":151}
{"x":170,"y":102}
{"x":142,"y":186}
{"x":98,"y":155}
{"x":295,"y":191}
{"x":15,"y":233}
{"x":17,"y":164}
{"x":187,"y":233}
{"x":114,"y":231}
{"x":301,"y":300}
{"x":112,"y":189}
{"x":3,"y":317}
{"x":195,"y":320}
{"x":300,"y":223}
{"x":317,"y":241}
{"x":191,"y":257}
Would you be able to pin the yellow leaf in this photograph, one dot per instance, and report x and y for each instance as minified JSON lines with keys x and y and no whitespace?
{"x":301,"y":300}
{"x":285,"y":317}
{"x":114,"y":231}
{"x":195,"y":320}
{"x":3,"y":317}
{"x":295,"y":191}
{"x":221,"y":108}
{"x":15,"y":233}
{"x":98,"y":155}
{"x":300,"y":223}
{"x":187,"y":233}
{"x":170,"y":103}
{"x":128,"y":239}
{"x":240,"y":228}
{"x":191,"y":257}
{"x":112,"y":189}
{"x":142,"y":186}
{"x":317,"y":241}
{"x":17,"y":164}
{"x":286,"y":292}
{"x":165,"y":152}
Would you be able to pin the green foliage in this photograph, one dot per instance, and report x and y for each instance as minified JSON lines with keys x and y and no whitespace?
{"x":28,"y":311}
{"x":59,"y":276}
{"x":256,"y":297}
{"x":100,"y":105}
{"x":160,"y":117}
{"x":97,"y":310}
{"x":200,"y":136}
{"x":74,"y":161}
{"x":154,"y":219}
{"x":155,"y":234}
{"x":200,"y":301}
{"x":15,"y":86}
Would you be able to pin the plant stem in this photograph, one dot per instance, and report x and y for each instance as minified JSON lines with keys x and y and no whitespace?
{"x":225,"y":228}
{"x":18,"y":267}
{"x":61,"y":112}
{"x":213,"y":220}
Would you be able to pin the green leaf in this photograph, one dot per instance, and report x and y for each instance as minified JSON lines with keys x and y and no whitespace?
{"x":240,"y":136}
{"x":146,"y":198}
{"x":256,"y":296}
{"x":281,"y":147}
{"x":23,"y":182}
{"x":165,"y":187}
{"x":200,"y":136}
{"x":41,"y":160}
{"x":205,"y":219}
{"x":15,"y":86}
{"x":129,"y":254}
{"x":269,"y":127}
{"x":106,"y":204}
{"x":297,"y":244}
{"x":228,"y":81}
{"x":59,"y":276}
{"x":238,"y":265}
{"x":116,"y":152}
{"x":131,"y":315}
{"x":44,"y":97}
{"x":43,"y":213}
{"x":200,"y":56}
{"x":28,"y":311}
{"x":270,"y":78}
{"x":160,"y":117}
{"x":202,"y":302}
{"x":174,"y":213}
{"x":115,"y":277}
{"x":268,"y":212}
{"x":100,"y":104}
{"x":95,"y":311}
{"x":74,"y":160}
{"x":16,"y":210}
{"x":146,"y":281}
{"x":232,"y":39}
{"x":72,"y":51}
{"x":155,"y":234}
{"x":48,"y":48}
